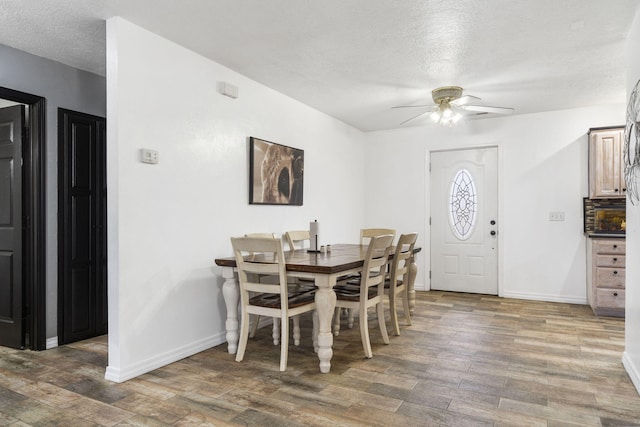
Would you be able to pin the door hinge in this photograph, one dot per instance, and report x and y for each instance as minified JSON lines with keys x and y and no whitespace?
{"x":429,"y":220}
{"x":26,"y":222}
{"x":429,"y":274}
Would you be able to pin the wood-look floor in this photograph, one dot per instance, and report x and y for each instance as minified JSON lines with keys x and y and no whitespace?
{"x":467,"y":360}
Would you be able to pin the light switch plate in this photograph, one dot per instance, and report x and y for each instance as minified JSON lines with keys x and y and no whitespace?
{"x":556,"y":216}
{"x":149,"y":156}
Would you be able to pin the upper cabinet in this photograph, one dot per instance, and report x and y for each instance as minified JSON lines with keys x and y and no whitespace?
{"x":606,"y":164}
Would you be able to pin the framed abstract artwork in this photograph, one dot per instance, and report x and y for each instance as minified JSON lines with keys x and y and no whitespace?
{"x":276,"y":173}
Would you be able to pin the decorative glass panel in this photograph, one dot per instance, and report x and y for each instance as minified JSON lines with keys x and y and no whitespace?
{"x":463,"y":204}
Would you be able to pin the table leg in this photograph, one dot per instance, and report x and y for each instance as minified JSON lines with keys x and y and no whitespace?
{"x":413,"y":272}
{"x":325,"y":305}
{"x":231,"y":296}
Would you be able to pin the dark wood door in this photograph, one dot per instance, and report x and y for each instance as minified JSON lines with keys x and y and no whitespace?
{"x":11,"y":222}
{"x":82,"y":287}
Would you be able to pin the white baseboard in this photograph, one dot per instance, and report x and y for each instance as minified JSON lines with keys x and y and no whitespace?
{"x":545,"y":297}
{"x":420,"y":287}
{"x":632,"y":370}
{"x":122,"y":374}
{"x":526,"y":295}
{"x":51,"y":343}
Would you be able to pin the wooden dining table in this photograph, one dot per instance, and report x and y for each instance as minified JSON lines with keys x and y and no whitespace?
{"x":325,"y":269}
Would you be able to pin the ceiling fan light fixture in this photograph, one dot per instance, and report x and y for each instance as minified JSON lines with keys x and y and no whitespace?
{"x":446,"y":94}
{"x":450,"y":104}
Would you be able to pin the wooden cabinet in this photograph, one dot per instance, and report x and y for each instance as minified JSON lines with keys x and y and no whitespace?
{"x":606,"y":163}
{"x":605,"y":275}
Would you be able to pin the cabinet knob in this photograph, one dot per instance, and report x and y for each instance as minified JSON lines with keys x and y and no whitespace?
{"x":615,"y":259}
{"x":615,"y":246}
{"x":615,"y":272}
{"x":616,"y":190}
{"x":615,"y":294}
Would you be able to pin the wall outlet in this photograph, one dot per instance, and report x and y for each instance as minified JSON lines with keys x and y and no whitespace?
{"x":149,"y":156}
{"x":556,"y":216}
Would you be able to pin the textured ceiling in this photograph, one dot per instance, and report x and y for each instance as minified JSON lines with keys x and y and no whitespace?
{"x":355,"y":59}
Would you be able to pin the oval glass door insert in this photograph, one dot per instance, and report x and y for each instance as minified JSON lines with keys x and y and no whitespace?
{"x":463,"y":204}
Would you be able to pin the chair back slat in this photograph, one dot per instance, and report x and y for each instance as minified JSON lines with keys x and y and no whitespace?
{"x":367,"y":233}
{"x":296,"y":236}
{"x":403,"y":252}
{"x":247,"y":248}
{"x":373,"y":270}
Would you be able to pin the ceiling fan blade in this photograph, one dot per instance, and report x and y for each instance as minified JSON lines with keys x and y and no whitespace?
{"x":413,"y":106}
{"x":464,"y":100}
{"x":415,"y":117}
{"x":487,"y":109}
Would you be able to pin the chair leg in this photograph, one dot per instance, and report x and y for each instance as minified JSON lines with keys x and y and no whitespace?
{"x":296,"y":330}
{"x":315,"y":331}
{"x":364,"y":334}
{"x":382,"y":322}
{"x":394,"y":312}
{"x":254,"y":326}
{"x":350,"y":318}
{"x":284,"y":344}
{"x":336,"y":322}
{"x":276,"y":331}
{"x":405,"y":303}
{"x":244,"y":336}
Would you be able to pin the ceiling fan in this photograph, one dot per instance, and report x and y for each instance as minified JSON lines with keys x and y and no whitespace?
{"x":450,"y":106}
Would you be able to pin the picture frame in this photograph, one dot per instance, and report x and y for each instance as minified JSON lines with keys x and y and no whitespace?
{"x":276,"y":173}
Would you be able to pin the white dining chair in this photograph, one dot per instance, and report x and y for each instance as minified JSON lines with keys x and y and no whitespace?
{"x":365,"y":236}
{"x":369,"y":293}
{"x":268,"y":299}
{"x":396,"y":284}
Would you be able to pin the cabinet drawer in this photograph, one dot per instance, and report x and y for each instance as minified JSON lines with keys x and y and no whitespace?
{"x":610,"y":298}
{"x":609,"y":247}
{"x":609,"y":277}
{"x":610,"y":260}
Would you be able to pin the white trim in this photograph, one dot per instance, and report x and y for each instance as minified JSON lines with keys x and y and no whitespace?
{"x":420,"y":286}
{"x":51,"y":343}
{"x":545,"y":297}
{"x":632,"y":370}
{"x":120,"y":375}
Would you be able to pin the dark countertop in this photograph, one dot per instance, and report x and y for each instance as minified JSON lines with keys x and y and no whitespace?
{"x":604,"y":236}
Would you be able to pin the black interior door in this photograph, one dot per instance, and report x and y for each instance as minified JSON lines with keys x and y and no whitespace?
{"x":82,"y":226}
{"x":11,"y":273}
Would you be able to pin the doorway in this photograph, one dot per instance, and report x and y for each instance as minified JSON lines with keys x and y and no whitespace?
{"x":82,"y":227}
{"x":464,"y":220}
{"x":23,"y":317}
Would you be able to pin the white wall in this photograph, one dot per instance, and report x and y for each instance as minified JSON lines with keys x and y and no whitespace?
{"x":631,"y":357}
{"x":167,"y":222}
{"x":63,"y":87}
{"x":542,"y":168}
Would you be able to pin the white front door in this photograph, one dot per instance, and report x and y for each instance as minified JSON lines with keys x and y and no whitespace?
{"x":464,"y":220}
